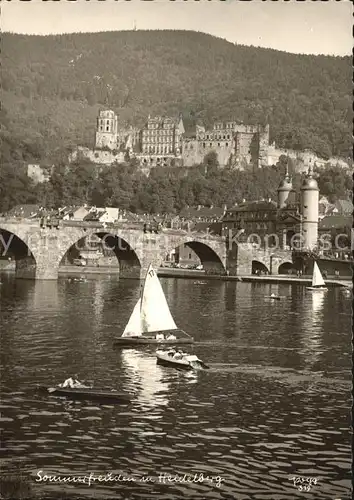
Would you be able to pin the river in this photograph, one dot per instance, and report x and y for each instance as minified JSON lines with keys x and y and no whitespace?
{"x":270,"y":418}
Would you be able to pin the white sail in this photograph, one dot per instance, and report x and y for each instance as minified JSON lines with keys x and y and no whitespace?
{"x":155,"y":313}
{"x":133,"y":328}
{"x":317,"y":279}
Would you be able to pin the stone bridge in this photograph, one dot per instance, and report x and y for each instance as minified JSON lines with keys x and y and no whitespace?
{"x":39,"y":251}
{"x":244,"y":257}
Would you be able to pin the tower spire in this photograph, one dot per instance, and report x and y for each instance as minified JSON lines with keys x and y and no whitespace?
{"x":287,"y":167}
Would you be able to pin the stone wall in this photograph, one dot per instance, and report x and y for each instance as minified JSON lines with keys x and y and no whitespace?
{"x":98,"y":156}
{"x":302,"y":159}
{"x":193,"y":151}
{"x":247,"y":144}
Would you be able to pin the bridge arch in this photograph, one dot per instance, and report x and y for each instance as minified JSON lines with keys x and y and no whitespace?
{"x":13,"y":247}
{"x":259,"y":267}
{"x":128,"y":257}
{"x":286,"y":268}
{"x":212,"y":260}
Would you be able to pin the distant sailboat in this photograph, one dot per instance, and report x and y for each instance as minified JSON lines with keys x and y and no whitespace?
{"x":318,"y":283}
{"x":151,"y":321}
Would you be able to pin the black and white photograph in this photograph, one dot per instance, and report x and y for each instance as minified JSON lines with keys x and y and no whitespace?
{"x":176,"y":250}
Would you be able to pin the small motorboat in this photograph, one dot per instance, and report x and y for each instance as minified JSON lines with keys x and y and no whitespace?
{"x":180,"y":360}
{"x":87,"y":393}
{"x":151,"y":321}
{"x":318,"y":283}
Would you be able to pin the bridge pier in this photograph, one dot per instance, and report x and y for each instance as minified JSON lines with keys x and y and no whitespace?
{"x":26,"y":267}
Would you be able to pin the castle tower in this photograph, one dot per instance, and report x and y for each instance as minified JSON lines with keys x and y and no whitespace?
{"x":285,"y":190}
{"x":107,"y":130}
{"x":309,"y":211}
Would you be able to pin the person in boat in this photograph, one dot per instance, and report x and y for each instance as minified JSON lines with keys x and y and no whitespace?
{"x":178,"y":355}
{"x":160,"y":336}
{"x":170,"y":336}
{"x":171,"y":353}
{"x":72,"y":383}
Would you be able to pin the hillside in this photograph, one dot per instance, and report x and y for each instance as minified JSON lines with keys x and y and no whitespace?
{"x":53,"y":87}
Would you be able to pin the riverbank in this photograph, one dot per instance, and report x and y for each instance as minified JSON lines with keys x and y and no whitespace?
{"x":200,"y":275}
{"x":67,"y":270}
{"x":304,"y":280}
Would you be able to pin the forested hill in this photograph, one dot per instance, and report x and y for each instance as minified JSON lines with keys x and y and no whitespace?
{"x":53,"y":87}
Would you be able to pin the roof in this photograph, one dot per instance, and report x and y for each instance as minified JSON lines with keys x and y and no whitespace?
{"x":211,"y":228}
{"x":94,"y":215}
{"x":161,"y":120}
{"x":24,"y":211}
{"x":202,"y":212}
{"x":71,"y":209}
{"x":254,"y":206}
{"x":335,"y":221}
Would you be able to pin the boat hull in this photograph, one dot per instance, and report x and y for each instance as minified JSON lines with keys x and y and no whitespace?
{"x":174,"y":363}
{"x":151,"y":340}
{"x":91,"y":394}
{"x":165,"y":360}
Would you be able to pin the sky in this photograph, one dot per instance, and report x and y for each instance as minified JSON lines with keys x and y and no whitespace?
{"x":309,"y":27}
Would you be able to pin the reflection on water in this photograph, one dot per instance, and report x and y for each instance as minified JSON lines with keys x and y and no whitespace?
{"x":312,"y":337}
{"x":146,"y":376}
{"x":318,"y":299}
{"x":274,"y":404}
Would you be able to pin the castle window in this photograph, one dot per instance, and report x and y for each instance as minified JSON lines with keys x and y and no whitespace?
{"x":226,"y":144}
{"x":211,"y":144}
{"x":107,"y":128}
{"x":101,"y":127}
{"x":224,"y":136}
{"x":203,"y":144}
{"x":219,"y":144}
{"x":207,"y":136}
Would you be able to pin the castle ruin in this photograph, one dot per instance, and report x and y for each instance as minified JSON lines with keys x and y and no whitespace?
{"x":162,"y":141}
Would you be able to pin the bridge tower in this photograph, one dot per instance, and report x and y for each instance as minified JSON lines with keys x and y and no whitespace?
{"x":285,"y":190}
{"x":309,"y":211}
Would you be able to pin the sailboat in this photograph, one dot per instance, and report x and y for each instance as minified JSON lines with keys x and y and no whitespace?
{"x":151,"y":321}
{"x":318,"y":282}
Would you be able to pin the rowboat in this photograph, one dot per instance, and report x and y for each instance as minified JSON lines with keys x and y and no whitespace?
{"x":87,"y":393}
{"x":151,"y":321}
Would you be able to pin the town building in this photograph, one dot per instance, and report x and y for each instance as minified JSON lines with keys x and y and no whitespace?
{"x":291,"y":222}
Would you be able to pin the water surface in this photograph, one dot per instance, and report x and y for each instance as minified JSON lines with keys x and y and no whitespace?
{"x":274,"y":405}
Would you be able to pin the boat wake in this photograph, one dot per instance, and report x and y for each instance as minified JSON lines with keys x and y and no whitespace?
{"x":285,"y":375}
